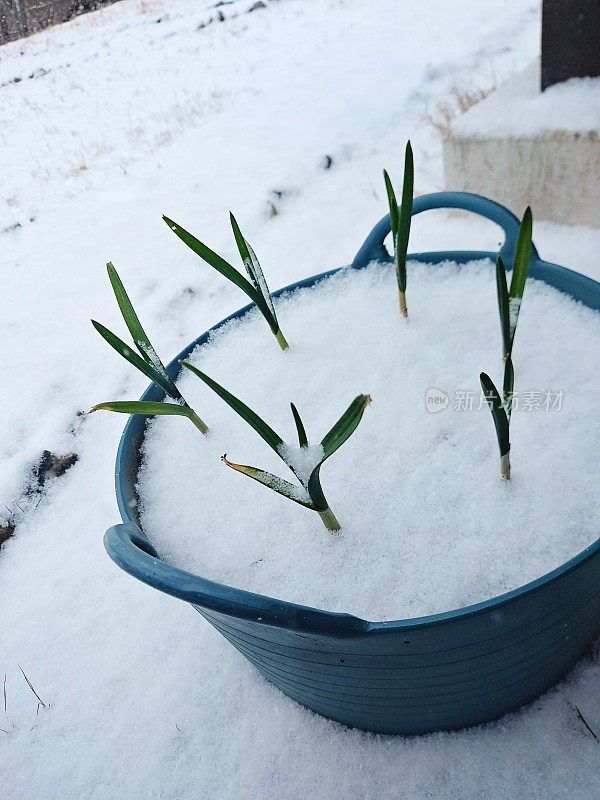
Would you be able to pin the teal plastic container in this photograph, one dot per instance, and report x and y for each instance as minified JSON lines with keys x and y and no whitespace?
{"x":408,"y":676}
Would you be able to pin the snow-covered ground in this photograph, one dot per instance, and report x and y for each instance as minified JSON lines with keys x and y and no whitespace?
{"x":105,"y":123}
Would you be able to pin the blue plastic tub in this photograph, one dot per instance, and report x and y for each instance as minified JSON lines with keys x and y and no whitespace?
{"x":409,"y":676}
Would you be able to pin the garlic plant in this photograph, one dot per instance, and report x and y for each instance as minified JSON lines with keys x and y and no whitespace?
{"x":509,"y":305}
{"x":400,"y":219}
{"x":304,"y":461}
{"x":256,"y":288}
{"x":147,"y":362}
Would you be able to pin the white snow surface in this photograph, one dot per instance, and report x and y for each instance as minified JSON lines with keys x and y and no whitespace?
{"x":518,"y":109}
{"x":428,"y":524}
{"x":302,"y":460}
{"x":124,"y":118}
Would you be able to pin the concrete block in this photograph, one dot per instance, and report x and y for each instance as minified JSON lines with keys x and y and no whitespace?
{"x":523,"y":147}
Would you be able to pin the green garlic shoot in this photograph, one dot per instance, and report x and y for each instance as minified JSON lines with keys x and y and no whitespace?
{"x":400,"y":219}
{"x":256,"y":288}
{"x":304,"y":461}
{"x":509,"y":305}
{"x":146,"y":362}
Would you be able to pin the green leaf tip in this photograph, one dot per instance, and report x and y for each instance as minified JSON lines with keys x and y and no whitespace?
{"x":255,"y":273}
{"x":148,"y":361}
{"x":522,"y":256}
{"x":345,"y":426}
{"x":130,"y":318}
{"x":405,"y":217}
{"x":212,"y":258}
{"x":332,"y":441}
{"x":239,"y":239}
{"x":302,"y":438}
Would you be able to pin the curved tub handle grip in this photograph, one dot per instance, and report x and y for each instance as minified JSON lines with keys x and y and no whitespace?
{"x":131,"y":550}
{"x":374,"y":249}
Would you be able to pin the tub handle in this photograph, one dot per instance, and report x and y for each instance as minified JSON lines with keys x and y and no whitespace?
{"x":374,"y":249}
{"x":131,"y":550}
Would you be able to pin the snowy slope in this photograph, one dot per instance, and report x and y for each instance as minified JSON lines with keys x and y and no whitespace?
{"x":132,"y":112}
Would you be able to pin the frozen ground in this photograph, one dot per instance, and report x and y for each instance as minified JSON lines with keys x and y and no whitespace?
{"x":129,"y":113}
